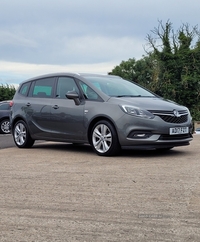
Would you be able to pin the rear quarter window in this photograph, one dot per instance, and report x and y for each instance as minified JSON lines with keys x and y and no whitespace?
{"x":24,"y":88}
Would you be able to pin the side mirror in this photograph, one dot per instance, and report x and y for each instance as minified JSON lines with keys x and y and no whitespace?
{"x":73,"y":95}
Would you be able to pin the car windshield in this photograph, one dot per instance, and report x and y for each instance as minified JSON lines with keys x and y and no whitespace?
{"x":118,"y":87}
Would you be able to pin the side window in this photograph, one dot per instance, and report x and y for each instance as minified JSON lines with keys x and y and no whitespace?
{"x":89,"y":93}
{"x":24,"y":88}
{"x":65,"y":84}
{"x":42,"y":88}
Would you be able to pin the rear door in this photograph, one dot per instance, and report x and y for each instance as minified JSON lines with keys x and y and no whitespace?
{"x":38,"y":107}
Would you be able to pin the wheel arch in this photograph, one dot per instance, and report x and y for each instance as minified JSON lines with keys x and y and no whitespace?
{"x":4,"y":118}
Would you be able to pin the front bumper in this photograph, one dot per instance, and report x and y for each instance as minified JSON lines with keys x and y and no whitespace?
{"x":151,"y":133}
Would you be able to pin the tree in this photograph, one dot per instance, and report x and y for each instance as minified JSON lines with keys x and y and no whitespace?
{"x":6,"y":92}
{"x":126,"y":69}
{"x":178,"y":64}
{"x":136,"y":71}
{"x":171,"y":67}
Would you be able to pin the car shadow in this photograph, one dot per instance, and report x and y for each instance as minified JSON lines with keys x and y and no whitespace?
{"x":87,"y":149}
{"x":153,"y":153}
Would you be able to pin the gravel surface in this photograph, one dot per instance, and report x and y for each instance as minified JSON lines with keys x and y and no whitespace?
{"x":61,"y":192}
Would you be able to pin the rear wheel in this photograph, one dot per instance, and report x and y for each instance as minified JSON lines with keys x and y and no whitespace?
{"x":21,"y":135}
{"x":4,"y":126}
{"x":104,"y":139}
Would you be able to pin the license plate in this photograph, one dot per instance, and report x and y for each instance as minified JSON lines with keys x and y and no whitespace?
{"x":178,"y":130}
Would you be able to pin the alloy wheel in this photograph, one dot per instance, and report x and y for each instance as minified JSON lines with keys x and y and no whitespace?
{"x":20,"y":134}
{"x":5,"y":127}
{"x":102,"y":138}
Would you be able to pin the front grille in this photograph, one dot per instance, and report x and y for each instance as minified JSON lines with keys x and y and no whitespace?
{"x":169,"y":116}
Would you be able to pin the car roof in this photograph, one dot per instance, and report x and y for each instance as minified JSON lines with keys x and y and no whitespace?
{"x":5,"y":101}
{"x":73,"y":74}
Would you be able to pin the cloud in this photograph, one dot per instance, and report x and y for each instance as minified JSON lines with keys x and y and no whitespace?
{"x":11,"y":39}
{"x":40,"y":36}
{"x":95,"y":49}
{"x":14,"y":73}
{"x":27,"y":69}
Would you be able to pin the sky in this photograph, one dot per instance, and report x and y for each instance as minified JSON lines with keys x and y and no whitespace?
{"x":42,"y":36}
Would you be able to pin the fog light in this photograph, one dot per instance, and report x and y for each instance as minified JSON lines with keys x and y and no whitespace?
{"x":139,"y":134}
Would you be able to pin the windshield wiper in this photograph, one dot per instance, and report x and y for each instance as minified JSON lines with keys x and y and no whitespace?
{"x":128,"y":96}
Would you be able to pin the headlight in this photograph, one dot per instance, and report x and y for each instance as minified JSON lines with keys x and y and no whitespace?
{"x":189,"y":113}
{"x":131,"y":110}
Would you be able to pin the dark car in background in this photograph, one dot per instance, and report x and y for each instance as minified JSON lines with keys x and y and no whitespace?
{"x":197,"y":131}
{"x":4,"y":117}
{"x":105,"y":111}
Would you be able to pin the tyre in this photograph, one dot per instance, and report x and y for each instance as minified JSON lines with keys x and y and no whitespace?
{"x":4,"y":126}
{"x":21,"y":135}
{"x":104,"y":139}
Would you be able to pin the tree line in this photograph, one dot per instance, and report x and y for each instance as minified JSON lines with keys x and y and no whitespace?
{"x":6,"y":92}
{"x":171,"y":66}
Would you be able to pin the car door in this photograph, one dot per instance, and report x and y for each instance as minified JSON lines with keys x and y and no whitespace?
{"x":66,"y":117}
{"x":38,"y":107}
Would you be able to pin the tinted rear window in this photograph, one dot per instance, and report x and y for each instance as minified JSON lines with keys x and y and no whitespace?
{"x":42,"y":88}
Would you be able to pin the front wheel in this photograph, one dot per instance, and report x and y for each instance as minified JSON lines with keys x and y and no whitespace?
{"x":21,"y":135}
{"x":104,"y":139}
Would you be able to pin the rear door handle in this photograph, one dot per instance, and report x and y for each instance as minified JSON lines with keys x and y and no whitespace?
{"x":55,"y":107}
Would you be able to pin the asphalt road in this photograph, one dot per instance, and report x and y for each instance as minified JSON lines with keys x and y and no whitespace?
{"x":60,"y":192}
{"x":6,"y":141}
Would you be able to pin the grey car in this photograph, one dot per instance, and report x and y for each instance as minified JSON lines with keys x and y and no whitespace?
{"x":106,"y":111}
